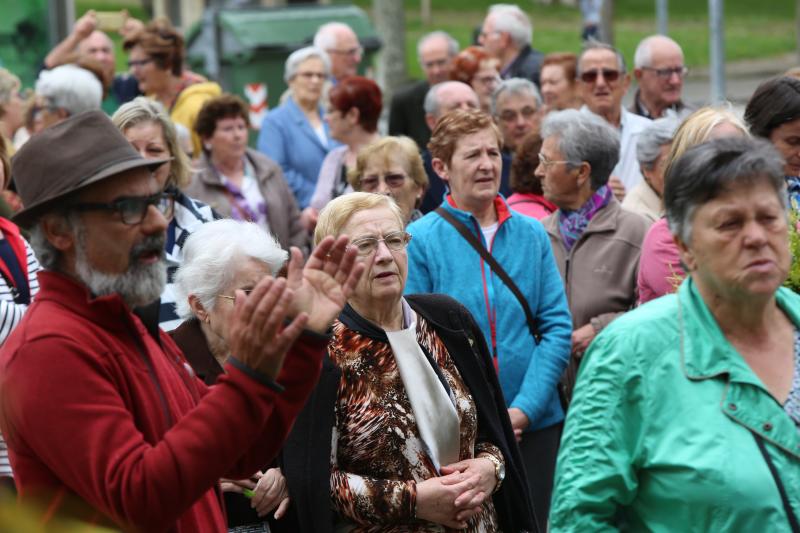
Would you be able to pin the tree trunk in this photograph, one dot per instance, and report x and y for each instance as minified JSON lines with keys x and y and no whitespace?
{"x":390,"y":24}
{"x":607,"y":22}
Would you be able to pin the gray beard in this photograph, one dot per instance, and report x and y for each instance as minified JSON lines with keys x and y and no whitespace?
{"x":140,"y":285}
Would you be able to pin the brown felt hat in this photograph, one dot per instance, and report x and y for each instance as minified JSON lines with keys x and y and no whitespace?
{"x":82,"y":150}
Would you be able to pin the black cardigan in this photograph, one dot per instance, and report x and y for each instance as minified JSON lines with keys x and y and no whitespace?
{"x":306,"y":454}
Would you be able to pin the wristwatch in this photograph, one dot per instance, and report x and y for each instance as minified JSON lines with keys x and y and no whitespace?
{"x":499,"y":469}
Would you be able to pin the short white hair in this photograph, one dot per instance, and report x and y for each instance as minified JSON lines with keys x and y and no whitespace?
{"x":643,"y":57}
{"x":71,"y":88}
{"x":452,"y":44}
{"x":211,"y":254}
{"x":298,"y":57}
{"x":509,"y":18}
{"x":326,"y":35}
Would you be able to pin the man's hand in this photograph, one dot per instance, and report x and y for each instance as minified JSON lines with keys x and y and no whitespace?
{"x":84,"y":26}
{"x":436,"y":499}
{"x":581,"y":338}
{"x":519,"y":421}
{"x":322,"y":287}
{"x":257,"y":336}
{"x":270,"y":492}
{"x":617,"y":187}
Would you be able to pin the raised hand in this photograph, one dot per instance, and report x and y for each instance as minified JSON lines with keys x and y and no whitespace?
{"x":85,"y":25}
{"x":322,"y":287}
{"x":257,"y":335}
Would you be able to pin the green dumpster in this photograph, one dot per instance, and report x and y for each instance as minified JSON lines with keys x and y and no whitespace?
{"x":23,"y":37}
{"x":245,"y":49}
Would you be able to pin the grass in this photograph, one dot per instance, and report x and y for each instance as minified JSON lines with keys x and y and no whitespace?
{"x":752,"y":30}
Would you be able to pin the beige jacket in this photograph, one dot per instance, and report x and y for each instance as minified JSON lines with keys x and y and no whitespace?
{"x":599,"y":272}
{"x":283,"y":215}
{"x":644,"y":200}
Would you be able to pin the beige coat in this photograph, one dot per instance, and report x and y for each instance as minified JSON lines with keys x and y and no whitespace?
{"x":283,"y":215}
{"x":599,"y":272}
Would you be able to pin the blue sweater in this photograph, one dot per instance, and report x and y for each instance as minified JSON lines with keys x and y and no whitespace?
{"x":441,"y":261}
{"x":287,"y":138}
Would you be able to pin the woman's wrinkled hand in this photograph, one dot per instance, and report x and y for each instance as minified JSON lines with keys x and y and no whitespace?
{"x":581,"y":338}
{"x":236,"y":485}
{"x":270,"y":492}
{"x":436,"y":499}
{"x":487,"y":480}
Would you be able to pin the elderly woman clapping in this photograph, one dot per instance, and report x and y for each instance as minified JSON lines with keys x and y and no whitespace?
{"x":686,"y":411}
{"x":408,"y":416}
{"x":220,"y":259}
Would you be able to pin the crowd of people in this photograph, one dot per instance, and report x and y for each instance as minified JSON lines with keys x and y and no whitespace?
{"x":519,"y":307}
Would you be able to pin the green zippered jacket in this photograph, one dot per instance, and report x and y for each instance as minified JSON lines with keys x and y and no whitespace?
{"x":658,"y":437}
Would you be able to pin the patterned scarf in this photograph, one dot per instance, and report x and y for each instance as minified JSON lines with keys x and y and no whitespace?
{"x":241,"y":208}
{"x":572,"y":224}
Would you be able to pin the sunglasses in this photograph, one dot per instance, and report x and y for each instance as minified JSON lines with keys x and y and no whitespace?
{"x":133,"y":209}
{"x":609,"y":74}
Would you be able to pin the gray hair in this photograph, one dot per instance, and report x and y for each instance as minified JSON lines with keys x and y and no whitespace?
{"x":509,"y":18}
{"x":211,"y":254}
{"x":592,"y":44}
{"x":515,"y":86}
{"x":586,"y":137}
{"x":325,"y":38}
{"x":651,"y":139}
{"x":706,"y":170}
{"x":643,"y":57}
{"x":49,"y":256}
{"x":70,"y":88}
{"x":298,"y":57}
{"x":431,"y":105}
{"x":452,"y":44}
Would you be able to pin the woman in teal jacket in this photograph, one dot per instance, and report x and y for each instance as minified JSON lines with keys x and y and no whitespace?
{"x":686,"y":414}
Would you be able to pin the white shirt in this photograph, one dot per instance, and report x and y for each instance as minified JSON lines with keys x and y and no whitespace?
{"x":488,"y":234}
{"x":627,"y":169}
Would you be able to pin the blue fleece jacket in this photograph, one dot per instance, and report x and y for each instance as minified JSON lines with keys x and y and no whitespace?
{"x":441,"y":261}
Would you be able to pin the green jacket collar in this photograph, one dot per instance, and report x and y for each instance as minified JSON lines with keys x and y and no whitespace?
{"x":706,"y":353}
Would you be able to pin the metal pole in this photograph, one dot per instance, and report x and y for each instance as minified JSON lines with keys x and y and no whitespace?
{"x":661,"y":16}
{"x":717,"y":46}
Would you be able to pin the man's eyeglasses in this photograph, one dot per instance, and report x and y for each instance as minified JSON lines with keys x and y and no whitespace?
{"x":133,"y":209}
{"x":245,"y":291}
{"x":510,"y":115}
{"x":395,"y":241}
{"x":372,"y":183}
{"x":609,"y":74}
{"x":311,"y":75}
{"x":133,"y":63}
{"x":666,"y":73}
{"x":546,"y":163}
{"x":357,"y":51}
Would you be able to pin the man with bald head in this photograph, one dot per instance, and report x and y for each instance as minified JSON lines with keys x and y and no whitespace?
{"x":435,"y":52}
{"x":341,"y":44}
{"x":90,"y":47}
{"x":659,"y":71}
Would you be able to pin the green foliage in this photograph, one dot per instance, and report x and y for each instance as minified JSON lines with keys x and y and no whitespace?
{"x":793,"y":281}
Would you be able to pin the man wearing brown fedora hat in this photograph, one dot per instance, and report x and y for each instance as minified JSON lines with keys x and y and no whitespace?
{"x":105,"y":420}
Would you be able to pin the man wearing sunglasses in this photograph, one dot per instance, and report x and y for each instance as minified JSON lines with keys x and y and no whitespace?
{"x":602,"y":83}
{"x":659,"y":71}
{"x":104,"y":419}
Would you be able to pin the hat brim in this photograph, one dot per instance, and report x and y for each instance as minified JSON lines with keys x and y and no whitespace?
{"x":27,"y":216}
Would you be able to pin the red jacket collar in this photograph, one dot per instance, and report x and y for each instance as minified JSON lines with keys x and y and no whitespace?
{"x":503,"y":212}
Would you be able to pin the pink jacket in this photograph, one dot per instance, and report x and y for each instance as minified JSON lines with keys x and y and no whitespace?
{"x":660,"y":270}
{"x":532,"y":205}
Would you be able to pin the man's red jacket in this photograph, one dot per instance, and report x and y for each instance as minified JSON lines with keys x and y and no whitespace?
{"x":105,"y":422}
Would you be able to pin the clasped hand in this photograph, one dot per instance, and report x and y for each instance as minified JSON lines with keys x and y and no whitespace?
{"x":458,"y":495}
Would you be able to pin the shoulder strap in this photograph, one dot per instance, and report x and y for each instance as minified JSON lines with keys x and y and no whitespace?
{"x":787,"y":507}
{"x":495,"y":266}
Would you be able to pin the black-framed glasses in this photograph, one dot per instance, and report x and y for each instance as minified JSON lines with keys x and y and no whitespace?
{"x":392,"y":180}
{"x":395,"y":241}
{"x":666,"y":73}
{"x":133,"y":209}
{"x":609,"y":74}
{"x":133,"y":63}
{"x":227,"y":297}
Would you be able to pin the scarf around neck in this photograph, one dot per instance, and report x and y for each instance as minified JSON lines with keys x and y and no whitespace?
{"x":572,"y":224}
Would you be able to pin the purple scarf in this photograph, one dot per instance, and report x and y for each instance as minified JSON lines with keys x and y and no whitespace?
{"x":572,"y":224}
{"x":240,"y":207}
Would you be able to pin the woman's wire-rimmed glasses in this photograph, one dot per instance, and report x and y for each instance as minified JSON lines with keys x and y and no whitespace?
{"x":395,"y":241}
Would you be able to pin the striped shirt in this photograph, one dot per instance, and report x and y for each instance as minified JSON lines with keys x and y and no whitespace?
{"x":189,"y":215}
{"x":10,"y":315}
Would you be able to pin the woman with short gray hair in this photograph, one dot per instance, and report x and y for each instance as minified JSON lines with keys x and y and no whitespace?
{"x":220,"y":258}
{"x":595,"y":241}
{"x":294,"y":134}
{"x":688,"y":408}
{"x":651,"y":151}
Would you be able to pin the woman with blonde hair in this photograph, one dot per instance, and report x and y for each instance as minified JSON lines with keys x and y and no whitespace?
{"x":660,"y":270}
{"x":145,"y":124}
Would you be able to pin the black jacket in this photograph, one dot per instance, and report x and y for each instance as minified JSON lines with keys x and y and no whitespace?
{"x":407,"y":114}
{"x":527,"y":64}
{"x":306,"y":455}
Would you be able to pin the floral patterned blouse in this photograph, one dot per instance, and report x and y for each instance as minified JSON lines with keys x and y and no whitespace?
{"x":377,"y":454}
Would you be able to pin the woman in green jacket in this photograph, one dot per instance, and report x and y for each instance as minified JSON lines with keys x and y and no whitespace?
{"x":686,"y":413}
